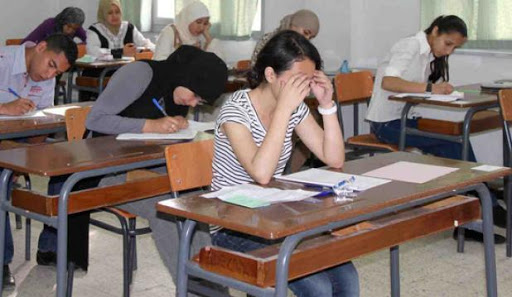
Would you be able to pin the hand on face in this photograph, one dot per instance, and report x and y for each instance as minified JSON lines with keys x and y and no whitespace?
{"x":293,"y":91}
{"x":165,"y":125}
{"x":322,"y":89}
{"x":17,"y":107}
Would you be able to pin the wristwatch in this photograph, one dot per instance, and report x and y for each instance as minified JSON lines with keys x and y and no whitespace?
{"x":429,"y":88}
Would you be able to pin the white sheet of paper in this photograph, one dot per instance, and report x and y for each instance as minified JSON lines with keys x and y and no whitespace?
{"x":59,"y":110}
{"x":488,"y":168}
{"x":189,"y":133}
{"x":329,"y":178}
{"x":269,"y":195}
{"x":411,"y":172}
{"x":29,"y":115}
{"x":434,"y":97}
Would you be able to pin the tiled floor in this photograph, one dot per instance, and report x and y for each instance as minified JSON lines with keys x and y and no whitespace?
{"x":429,"y":267}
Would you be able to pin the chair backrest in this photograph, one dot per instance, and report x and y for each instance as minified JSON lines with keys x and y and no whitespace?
{"x":505,"y":100}
{"x":145,"y":55}
{"x":189,"y":164}
{"x":13,"y":41}
{"x":75,"y":122}
{"x":353,"y":87}
{"x":82,"y":49}
{"x":243,"y":65}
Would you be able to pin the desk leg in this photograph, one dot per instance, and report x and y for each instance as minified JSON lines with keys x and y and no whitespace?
{"x":488,"y":230}
{"x":394,"y":253}
{"x":5,"y":178}
{"x":356,"y":119}
{"x":466,"y":131}
{"x":183,"y":257}
{"x":283,"y":263}
{"x":403,"y":125}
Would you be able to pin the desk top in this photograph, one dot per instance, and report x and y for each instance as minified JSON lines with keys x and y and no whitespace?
{"x":102,"y":64}
{"x":474,"y":97}
{"x":35,"y":125}
{"x":283,"y":219}
{"x":62,"y":158}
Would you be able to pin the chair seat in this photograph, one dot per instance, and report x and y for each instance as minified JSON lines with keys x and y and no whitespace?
{"x":371,"y":141}
{"x":91,"y":82}
{"x":123,"y":213}
{"x":482,"y":121}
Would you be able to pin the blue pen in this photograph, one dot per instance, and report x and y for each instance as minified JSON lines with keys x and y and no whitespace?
{"x":324,"y":193}
{"x":155,"y":102}
{"x":14,"y":93}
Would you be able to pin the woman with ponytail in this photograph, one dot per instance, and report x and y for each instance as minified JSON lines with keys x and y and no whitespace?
{"x":417,"y":64}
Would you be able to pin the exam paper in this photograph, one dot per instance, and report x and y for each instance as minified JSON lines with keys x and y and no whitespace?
{"x":434,"y":97}
{"x":28,"y":115}
{"x":411,"y":172}
{"x":189,"y":133}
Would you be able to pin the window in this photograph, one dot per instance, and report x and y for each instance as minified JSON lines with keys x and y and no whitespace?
{"x":164,"y":12}
{"x":489,"y":22}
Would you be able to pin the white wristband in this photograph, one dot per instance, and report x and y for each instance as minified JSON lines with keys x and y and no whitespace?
{"x":328,"y":111}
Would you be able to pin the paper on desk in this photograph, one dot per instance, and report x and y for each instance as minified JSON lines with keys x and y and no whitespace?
{"x":434,"y":97}
{"x":411,"y":172}
{"x":488,"y":168}
{"x":189,"y":133}
{"x":28,"y":115}
{"x":329,"y":178}
{"x":252,"y":196}
{"x":59,"y":110}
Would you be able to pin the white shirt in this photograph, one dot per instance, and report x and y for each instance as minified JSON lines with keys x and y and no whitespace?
{"x":409,"y":59}
{"x":114,"y":41}
{"x":14,"y":75}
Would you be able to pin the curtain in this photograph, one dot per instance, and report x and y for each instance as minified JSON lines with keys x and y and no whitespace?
{"x":231,"y":19}
{"x":489,"y":22}
{"x":137,"y":12}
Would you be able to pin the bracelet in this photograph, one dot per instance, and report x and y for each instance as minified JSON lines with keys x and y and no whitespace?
{"x":328,"y":111}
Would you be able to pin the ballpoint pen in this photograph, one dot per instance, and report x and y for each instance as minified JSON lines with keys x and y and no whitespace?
{"x":155,"y":102}
{"x":14,"y":93}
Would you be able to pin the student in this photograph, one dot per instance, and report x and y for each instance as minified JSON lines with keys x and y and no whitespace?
{"x":187,"y":78}
{"x":419,"y":64}
{"x":253,"y":140}
{"x":302,"y":21}
{"x":112,"y":35}
{"x":192,"y":27}
{"x":29,"y":70}
{"x":68,"y":22}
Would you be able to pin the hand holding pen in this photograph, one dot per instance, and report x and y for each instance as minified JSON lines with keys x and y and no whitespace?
{"x":17,"y":107}
{"x":166,"y":124}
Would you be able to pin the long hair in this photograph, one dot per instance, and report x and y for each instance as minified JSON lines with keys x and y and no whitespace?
{"x":445,"y":25}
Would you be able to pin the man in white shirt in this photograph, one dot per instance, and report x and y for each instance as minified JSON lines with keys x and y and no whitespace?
{"x":27,"y":82}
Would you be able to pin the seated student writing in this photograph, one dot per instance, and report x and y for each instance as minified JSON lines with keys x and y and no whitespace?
{"x":189,"y":77}
{"x":68,"y":22}
{"x":418,"y":64}
{"x":27,"y":82}
{"x":253,"y":140}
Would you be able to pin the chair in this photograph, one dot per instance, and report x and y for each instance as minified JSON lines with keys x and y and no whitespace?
{"x":243,"y":65}
{"x":355,"y":88}
{"x":505,"y":101}
{"x":13,"y":41}
{"x":75,"y":129}
{"x":144,"y":55}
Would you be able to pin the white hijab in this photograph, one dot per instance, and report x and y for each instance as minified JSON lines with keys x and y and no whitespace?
{"x":187,"y":15}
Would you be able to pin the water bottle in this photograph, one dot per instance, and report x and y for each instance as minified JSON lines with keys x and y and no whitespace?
{"x":344,"y":67}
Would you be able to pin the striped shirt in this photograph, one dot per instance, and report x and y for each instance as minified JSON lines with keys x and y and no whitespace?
{"x":227,"y":170}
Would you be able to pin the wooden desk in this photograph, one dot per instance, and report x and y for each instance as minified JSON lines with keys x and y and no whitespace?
{"x":297,"y":220}
{"x":105,"y":66}
{"x":81,"y":159}
{"x":10,"y":129}
{"x":472,"y":101}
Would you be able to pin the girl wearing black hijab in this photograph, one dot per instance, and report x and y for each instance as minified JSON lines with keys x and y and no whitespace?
{"x":190,"y":76}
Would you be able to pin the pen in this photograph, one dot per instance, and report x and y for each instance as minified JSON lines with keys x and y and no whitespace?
{"x":155,"y":102}
{"x":324,"y":193}
{"x":14,"y":93}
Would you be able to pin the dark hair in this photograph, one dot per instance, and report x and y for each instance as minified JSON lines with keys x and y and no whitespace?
{"x":445,"y":25}
{"x":69,"y":15}
{"x":280,"y":52}
{"x":59,"y":43}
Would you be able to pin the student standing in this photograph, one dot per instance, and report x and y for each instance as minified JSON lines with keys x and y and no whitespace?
{"x":192,"y":27}
{"x":68,"y":22}
{"x":253,"y":140}
{"x":27,"y":81}
{"x":188,"y":77}
{"x":419,"y":64}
